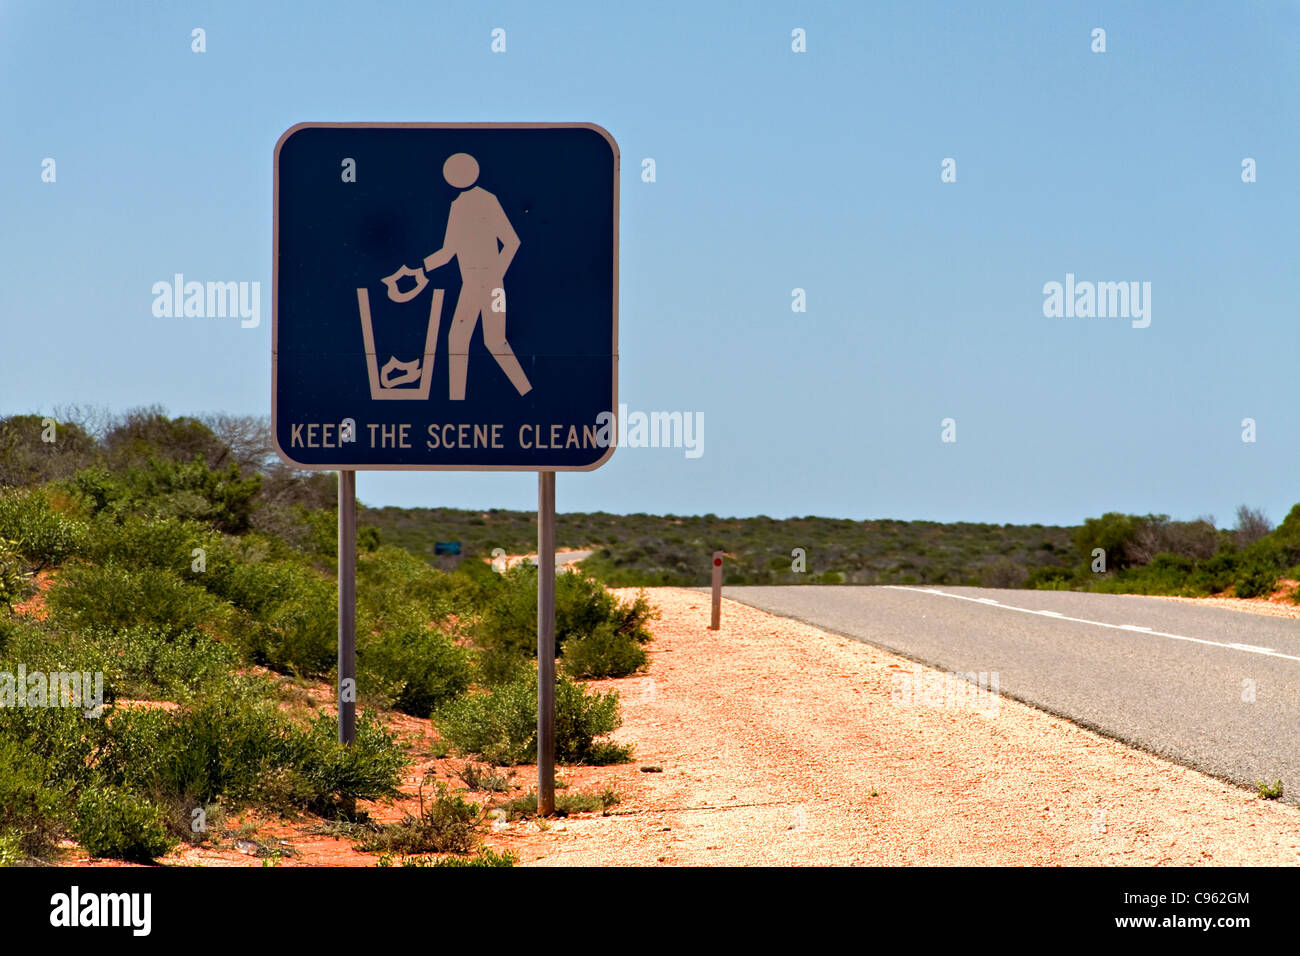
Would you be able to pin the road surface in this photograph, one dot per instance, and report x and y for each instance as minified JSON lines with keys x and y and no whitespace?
{"x":564,"y":560}
{"x":1210,"y":688}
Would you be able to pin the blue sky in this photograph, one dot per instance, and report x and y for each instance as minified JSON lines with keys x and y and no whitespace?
{"x":775,"y":170}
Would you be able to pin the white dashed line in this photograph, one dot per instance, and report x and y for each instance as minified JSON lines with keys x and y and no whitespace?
{"x":1134,"y":628}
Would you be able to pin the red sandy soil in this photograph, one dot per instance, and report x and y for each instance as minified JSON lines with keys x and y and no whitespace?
{"x":773,"y":742}
{"x":777,"y":743}
{"x":34,"y":606}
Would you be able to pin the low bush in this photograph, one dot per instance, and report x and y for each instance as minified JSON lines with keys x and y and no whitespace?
{"x":582,"y":717}
{"x":15,"y":580}
{"x":1050,"y":578}
{"x":292,"y":609}
{"x":31,"y":804}
{"x":237,"y":745}
{"x":605,"y":652}
{"x":1255,"y":582}
{"x":336,"y":775}
{"x":1003,"y":573}
{"x":144,"y":662}
{"x":151,"y":663}
{"x":112,"y":596}
{"x":506,"y":630}
{"x":415,"y":670}
{"x":1272,"y":791}
{"x":565,"y":803}
{"x":448,"y":824}
{"x":477,"y":778}
{"x":501,"y":725}
{"x":40,"y":534}
{"x":395,"y":589}
{"x":116,"y":823}
{"x":165,"y":488}
{"x":11,"y":849}
{"x":138,"y":543}
{"x":61,"y":742}
{"x":484,"y":857}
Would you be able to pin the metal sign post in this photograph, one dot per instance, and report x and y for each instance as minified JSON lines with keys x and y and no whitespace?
{"x":347,"y":560}
{"x":716,"y":620}
{"x":545,"y":643}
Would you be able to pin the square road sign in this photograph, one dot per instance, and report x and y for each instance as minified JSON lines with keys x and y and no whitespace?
{"x":445,"y":296}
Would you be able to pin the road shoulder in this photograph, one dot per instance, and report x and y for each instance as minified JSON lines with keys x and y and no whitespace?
{"x":780,"y":743}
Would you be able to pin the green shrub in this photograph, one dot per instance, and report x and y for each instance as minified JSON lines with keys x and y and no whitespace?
{"x":237,"y":745}
{"x":507,"y":628}
{"x":1003,"y":573}
{"x":501,"y":725}
{"x":603,"y":653}
{"x":10,"y":627}
{"x":31,"y":805}
{"x":140,"y":662}
{"x":1050,"y":578}
{"x":165,"y":488}
{"x":15,"y":580}
{"x":483,"y":857}
{"x":1255,"y":582}
{"x":581,"y":718}
{"x":140,"y":543}
{"x":449,"y":824}
{"x":415,"y":670}
{"x":292,"y":609}
{"x":337,"y":776}
{"x":397,"y":590}
{"x":1112,"y":532}
{"x":26,"y":458}
{"x":152,"y":663}
{"x":112,"y":596}
{"x":565,"y":803}
{"x":116,"y":823}
{"x":1272,"y":791}
{"x":61,"y":741}
{"x":1214,"y":575}
{"x":39,"y":533}
{"x":11,"y":849}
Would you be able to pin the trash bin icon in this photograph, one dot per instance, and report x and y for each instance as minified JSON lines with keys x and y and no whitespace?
{"x":396,"y":379}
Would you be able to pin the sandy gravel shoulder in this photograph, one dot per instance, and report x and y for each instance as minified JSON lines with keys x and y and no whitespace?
{"x":779,"y":743}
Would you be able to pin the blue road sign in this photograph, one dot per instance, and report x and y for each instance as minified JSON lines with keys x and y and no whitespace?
{"x":446,"y":296}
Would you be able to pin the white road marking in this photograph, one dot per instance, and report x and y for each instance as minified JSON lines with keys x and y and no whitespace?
{"x":1136,"y":628}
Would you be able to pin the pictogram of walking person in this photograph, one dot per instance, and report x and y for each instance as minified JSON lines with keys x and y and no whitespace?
{"x":475,"y":226}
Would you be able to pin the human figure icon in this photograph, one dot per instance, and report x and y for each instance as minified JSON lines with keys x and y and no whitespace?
{"x":483,"y":242}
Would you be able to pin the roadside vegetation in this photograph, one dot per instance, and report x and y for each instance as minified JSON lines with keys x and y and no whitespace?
{"x":196,"y":573}
{"x":1150,"y":554}
{"x":1144,"y":554}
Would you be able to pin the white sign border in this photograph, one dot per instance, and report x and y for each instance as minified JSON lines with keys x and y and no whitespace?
{"x":275,"y":296}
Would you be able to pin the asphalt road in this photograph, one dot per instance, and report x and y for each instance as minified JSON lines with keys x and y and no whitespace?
{"x":1174,"y":679}
{"x":562,"y":558}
